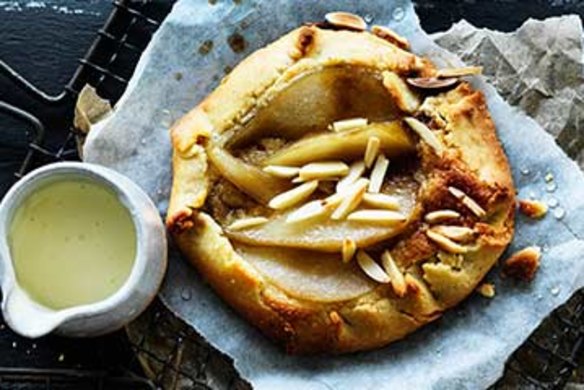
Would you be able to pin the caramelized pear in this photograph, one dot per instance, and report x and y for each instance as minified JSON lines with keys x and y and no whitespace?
{"x":251,"y":180}
{"x":346,"y":145}
{"x":308,"y":275}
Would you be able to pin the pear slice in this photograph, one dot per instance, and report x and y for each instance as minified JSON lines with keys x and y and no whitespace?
{"x":350,"y":144}
{"x":321,"y":233}
{"x":308,"y":275}
{"x":259,"y":185}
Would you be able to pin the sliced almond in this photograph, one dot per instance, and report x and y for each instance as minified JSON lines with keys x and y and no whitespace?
{"x":355,"y":172}
{"x":441,"y":216}
{"x":398,"y":281}
{"x":371,"y":151}
{"x":348,"y":250}
{"x":381,"y":201}
{"x":323,"y":170}
{"x":308,"y":211}
{"x":333,"y":201}
{"x":282,"y":171}
{"x":294,"y":196}
{"x":298,"y":179}
{"x":456,"y":233}
{"x":346,"y":20}
{"x":349,"y":124}
{"x":459,"y":72}
{"x":445,"y":243}
{"x":371,"y":268}
{"x":425,"y":134}
{"x":245,"y":223}
{"x":432,"y":83}
{"x":378,"y":173}
{"x":469,"y":202}
{"x":377,"y":216}
{"x":351,"y":199}
{"x":458,"y":194}
{"x":473,"y":206}
{"x":391,"y":37}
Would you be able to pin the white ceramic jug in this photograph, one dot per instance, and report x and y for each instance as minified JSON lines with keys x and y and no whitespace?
{"x":29,"y":318}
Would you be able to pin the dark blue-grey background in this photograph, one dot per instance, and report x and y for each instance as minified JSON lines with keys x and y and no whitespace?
{"x":43,"y":40}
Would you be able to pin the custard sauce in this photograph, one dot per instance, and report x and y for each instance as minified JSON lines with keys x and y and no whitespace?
{"x":72,"y":243}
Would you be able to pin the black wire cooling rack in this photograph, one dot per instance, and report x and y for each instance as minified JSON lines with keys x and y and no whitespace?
{"x":546,"y":361}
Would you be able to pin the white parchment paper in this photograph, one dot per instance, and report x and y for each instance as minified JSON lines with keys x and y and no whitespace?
{"x":468,"y":347}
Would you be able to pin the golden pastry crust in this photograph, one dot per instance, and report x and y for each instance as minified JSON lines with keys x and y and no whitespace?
{"x":473,"y":162}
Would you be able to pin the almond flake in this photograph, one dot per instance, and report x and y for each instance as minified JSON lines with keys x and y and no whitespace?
{"x":294,"y":196}
{"x":431,"y":83}
{"x":371,"y":151}
{"x":377,"y":216}
{"x":355,"y":171}
{"x":323,"y":170}
{"x":308,"y":211}
{"x":469,"y":202}
{"x":381,"y":201}
{"x":333,"y":201}
{"x":441,"y":216}
{"x":349,"y":249}
{"x":398,"y":281}
{"x":346,"y":20}
{"x":348,"y":124}
{"x":391,"y":37}
{"x":474,"y":207}
{"x":282,"y":171}
{"x":351,"y":199}
{"x":458,"y":194}
{"x":245,"y":223}
{"x":298,"y":179}
{"x":456,"y":233}
{"x":378,"y":173}
{"x":425,"y":134}
{"x":371,"y":268}
{"x":445,"y":243}
{"x":459,"y":72}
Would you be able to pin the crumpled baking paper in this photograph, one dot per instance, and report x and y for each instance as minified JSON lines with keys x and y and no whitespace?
{"x":538,"y":68}
{"x":468,"y":347}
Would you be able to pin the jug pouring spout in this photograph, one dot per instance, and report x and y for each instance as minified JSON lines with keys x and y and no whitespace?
{"x":26,"y":317}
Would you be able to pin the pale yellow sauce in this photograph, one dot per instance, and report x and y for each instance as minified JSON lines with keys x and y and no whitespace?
{"x":72,"y":243}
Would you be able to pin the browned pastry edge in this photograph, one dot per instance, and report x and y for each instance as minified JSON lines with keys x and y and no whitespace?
{"x":474,"y":162}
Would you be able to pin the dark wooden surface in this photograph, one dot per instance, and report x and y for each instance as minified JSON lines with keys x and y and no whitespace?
{"x":43,"y":40}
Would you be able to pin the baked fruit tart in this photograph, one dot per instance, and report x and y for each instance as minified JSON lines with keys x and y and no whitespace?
{"x":338,"y":191}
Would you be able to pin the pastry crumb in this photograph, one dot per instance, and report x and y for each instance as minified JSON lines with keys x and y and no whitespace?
{"x":523,"y":264}
{"x":487,"y":290}
{"x":532,"y":208}
{"x":549,"y":177}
